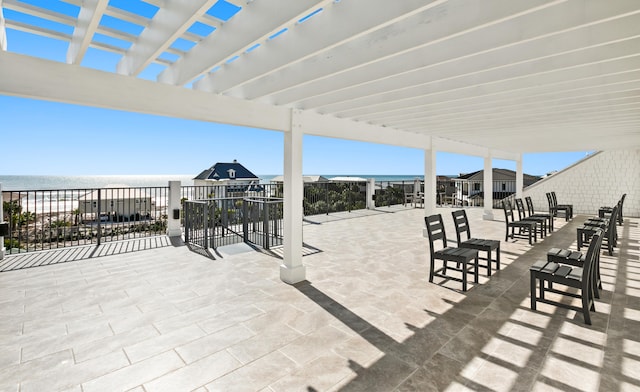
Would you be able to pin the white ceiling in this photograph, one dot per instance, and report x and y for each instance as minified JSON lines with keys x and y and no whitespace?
{"x":503,"y":75}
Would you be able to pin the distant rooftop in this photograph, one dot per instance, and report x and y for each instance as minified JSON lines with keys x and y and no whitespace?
{"x":222,"y":171}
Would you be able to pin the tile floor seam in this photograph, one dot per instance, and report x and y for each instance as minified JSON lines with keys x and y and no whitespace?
{"x":126,"y":356}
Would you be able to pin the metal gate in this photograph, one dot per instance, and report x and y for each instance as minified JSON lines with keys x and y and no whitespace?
{"x":212,"y":223}
{"x":197,"y":223}
{"x":263,"y":224}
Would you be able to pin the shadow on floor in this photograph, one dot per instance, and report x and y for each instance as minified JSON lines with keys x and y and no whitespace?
{"x":472,"y":345}
{"x":85,"y":252}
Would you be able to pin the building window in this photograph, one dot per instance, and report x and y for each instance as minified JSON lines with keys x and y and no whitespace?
{"x":476,"y":186}
{"x":232,"y":173}
{"x":504,"y":186}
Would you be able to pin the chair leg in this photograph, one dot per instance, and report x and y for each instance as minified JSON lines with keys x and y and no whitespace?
{"x":533,"y":290}
{"x":585,"y":305}
{"x":475,"y":269}
{"x":431,"y":271}
{"x":464,"y":279}
{"x":498,"y":258}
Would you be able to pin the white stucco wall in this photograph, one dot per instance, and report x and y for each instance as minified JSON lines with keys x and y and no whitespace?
{"x":598,"y":180}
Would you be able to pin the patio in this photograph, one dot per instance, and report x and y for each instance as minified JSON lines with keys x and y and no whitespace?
{"x":366,"y":319}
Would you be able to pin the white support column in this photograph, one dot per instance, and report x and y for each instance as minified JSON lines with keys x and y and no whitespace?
{"x":430,"y":182}
{"x":173,"y":224}
{"x":519,"y":177}
{"x":488,"y":188}
{"x":292,"y":271}
{"x":3,"y":31}
{"x":371,"y":191}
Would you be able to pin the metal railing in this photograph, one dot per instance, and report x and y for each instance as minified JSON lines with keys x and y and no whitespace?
{"x":213,"y":223}
{"x":51,"y":219}
{"x":328,"y":197}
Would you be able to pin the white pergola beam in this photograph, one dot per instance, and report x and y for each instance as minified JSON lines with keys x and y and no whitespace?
{"x":260,"y":19}
{"x":534,"y":88}
{"x":458,"y":62}
{"x":550,"y":114}
{"x":88,"y":19}
{"x":169,"y":23}
{"x":338,"y":23}
{"x":127,"y":16}
{"x":562,"y":69}
{"x":39,"y":12}
{"x":48,"y":80}
{"x":506,"y":108}
{"x":405,"y":35}
{"x":333,"y":127}
{"x":27,"y":28}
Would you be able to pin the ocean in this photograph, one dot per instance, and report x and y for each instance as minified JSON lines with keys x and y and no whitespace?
{"x":30,"y":183}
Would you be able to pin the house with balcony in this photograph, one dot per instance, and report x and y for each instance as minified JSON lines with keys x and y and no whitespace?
{"x":116,"y":203}
{"x":226,"y":179}
{"x":469,"y":188}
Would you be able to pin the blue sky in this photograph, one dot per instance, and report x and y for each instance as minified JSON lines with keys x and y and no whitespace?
{"x":49,"y":138}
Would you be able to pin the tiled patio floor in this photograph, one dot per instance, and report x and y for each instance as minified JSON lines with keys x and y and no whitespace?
{"x":366,"y":320}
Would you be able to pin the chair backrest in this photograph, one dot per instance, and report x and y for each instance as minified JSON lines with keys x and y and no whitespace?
{"x":552,"y":205}
{"x":620,"y":203}
{"x":555,"y":199}
{"x":508,"y":211}
{"x":530,"y":205}
{"x":521,"y":212}
{"x":461,"y":224}
{"x":611,"y":229}
{"x":435,"y":230}
{"x":590,"y":258}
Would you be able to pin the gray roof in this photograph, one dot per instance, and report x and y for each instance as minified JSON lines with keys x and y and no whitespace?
{"x":220,"y":171}
{"x":498,"y":174}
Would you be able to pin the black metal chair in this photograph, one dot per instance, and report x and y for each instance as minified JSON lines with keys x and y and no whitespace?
{"x":577,"y":277}
{"x":532,"y":212}
{"x":461,"y":224}
{"x":540,"y":221}
{"x":609,"y":227}
{"x":466,"y":259}
{"x":605,"y":212}
{"x":575,"y":258}
{"x":526,"y":229}
{"x":567,"y":208}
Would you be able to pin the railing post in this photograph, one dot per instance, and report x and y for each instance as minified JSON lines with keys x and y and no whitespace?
{"x":99,"y":212}
{"x":187,"y":223}
{"x":326,"y":192}
{"x":204,"y":216}
{"x":245,"y":221}
{"x":275,"y":224}
{"x":265,"y":221}
{"x":210,"y":221}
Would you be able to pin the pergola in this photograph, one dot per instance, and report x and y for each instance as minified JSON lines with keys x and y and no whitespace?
{"x":490,"y":78}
